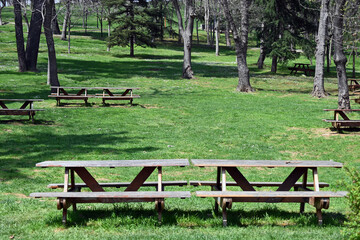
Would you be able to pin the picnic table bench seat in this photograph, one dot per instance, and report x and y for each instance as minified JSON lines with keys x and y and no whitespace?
{"x":345,"y":121}
{"x":129,"y":196}
{"x":82,"y":93}
{"x":121,"y":184}
{"x":23,"y":110}
{"x":255,"y":184}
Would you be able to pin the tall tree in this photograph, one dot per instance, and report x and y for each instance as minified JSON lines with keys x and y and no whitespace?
{"x":19,"y":36}
{"x":186,"y":34}
{"x":339,"y":56}
{"x":52,"y":65}
{"x":2,"y":5}
{"x":133,"y":24}
{"x":241,"y":41}
{"x":319,"y":89}
{"x":33,"y":40}
{"x":66,"y":20}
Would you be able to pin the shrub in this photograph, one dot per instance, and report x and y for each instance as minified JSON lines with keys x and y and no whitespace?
{"x":352,"y":230}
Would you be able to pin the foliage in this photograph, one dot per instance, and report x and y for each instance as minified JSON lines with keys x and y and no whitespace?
{"x":132,"y":21}
{"x":353,"y":223}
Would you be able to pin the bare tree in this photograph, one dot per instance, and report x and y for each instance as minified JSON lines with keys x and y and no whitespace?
{"x":66,"y":20}
{"x":186,"y":34}
{"x":2,"y":5}
{"x":52,"y":76}
{"x":19,"y":36}
{"x":339,"y":56}
{"x":319,"y":89}
{"x":33,"y":41}
{"x":207,"y":20}
{"x":241,"y":42}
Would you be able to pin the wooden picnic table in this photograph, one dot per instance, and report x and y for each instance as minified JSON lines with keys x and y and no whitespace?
{"x":224,"y":198}
{"x":302,"y":67}
{"x":23,"y":110}
{"x":107,"y":93}
{"x":354,"y":84}
{"x":337,"y":122}
{"x":71,"y":194}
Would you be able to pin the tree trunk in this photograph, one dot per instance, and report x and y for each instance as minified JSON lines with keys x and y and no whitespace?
{"x":319,"y":88}
{"x":339,"y":56}
{"x":1,"y":8}
{"x":54,"y":23}
{"x":207,"y":19}
{"x":66,"y":20}
{"x":24,"y":13}
{"x":19,"y":36}
{"x":227,"y":34}
{"x":101,"y":22}
{"x":33,"y":41}
{"x":109,"y":33}
{"x":353,"y":66}
{"x":69,"y":30}
{"x":52,"y":79}
{"x":241,"y":42}
{"x":197,"y":32}
{"x":217,"y":36}
{"x":260,"y":62}
{"x":186,"y":34}
{"x":274,"y":64}
{"x":328,"y":56}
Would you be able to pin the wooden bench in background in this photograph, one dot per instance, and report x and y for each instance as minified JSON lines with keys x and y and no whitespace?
{"x":71,"y":194}
{"x":301,"y":67}
{"x":82,"y":93}
{"x":23,"y":110}
{"x":345,"y":121}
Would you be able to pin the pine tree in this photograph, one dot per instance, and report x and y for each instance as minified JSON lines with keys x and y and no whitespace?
{"x":133,"y":24}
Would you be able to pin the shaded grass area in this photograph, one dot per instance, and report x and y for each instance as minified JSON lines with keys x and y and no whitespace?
{"x":174,"y":118}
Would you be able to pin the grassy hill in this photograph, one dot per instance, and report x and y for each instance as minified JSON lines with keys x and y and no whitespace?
{"x":174,"y":118}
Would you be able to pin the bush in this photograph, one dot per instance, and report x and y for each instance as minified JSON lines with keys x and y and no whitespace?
{"x":352,"y":230}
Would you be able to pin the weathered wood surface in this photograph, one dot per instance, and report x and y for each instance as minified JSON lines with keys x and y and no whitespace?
{"x":22,"y":100}
{"x":116,"y":163}
{"x":126,"y":97}
{"x":343,"y":110}
{"x":139,"y":195}
{"x":122,"y":184}
{"x":271,"y":194}
{"x":95,"y":88}
{"x":256,"y":184}
{"x":263,"y":163}
{"x":71,"y":96}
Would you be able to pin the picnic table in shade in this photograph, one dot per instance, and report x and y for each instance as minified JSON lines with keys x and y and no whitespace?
{"x":302,"y":194}
{"x":84,"y":93}
{"x":341,"y":118}
{"x":26,"y":109}
{"x":302,"y":67}
{"x":72,"y":194}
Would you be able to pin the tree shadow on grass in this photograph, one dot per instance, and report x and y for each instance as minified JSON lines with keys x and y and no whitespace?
{"x":25,"y":150}
{"x":128,"y":214}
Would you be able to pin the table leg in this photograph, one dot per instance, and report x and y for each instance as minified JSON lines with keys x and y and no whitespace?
{"x":159,"y":204}
{"x":73,"y":188}
{"x":317,"y":202}
{"x":3,"y":105}
{"x":63,"y":201}
{"x":304,"y":183}
{"x":218,"y":187}
{"x":140,"y":179}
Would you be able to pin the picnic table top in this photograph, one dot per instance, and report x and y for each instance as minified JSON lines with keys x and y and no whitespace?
{"x":116,"y":163}
{"x":95,"y":87}
{"x":343,"y":110}
{"x":301,"y":64}
{"x":263,"y":163}
{"x":22,"y":100}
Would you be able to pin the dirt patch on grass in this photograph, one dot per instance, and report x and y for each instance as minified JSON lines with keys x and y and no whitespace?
{"x":149,"y":106}
{"x":18,"y":195}
{"x":293,"y":155}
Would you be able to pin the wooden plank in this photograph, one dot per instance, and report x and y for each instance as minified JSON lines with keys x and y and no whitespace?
{"x":123,"y":184}
{"x":116,"y":163}
{"x":148,"y":194}
{"x":292,"y":179}
{"x":94,"y":88}
{"x":239,"y":178}
{"x":255,"y":184}
{"x":88,"y":179}
{"x":140,"y":179}
{"x":21,"y":100}
{"x":263,"y":163}
{"x":270,"y":194}
{"x":343,"y":110}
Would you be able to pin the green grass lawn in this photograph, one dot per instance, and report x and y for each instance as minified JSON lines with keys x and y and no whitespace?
{"x":174,"y":118}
